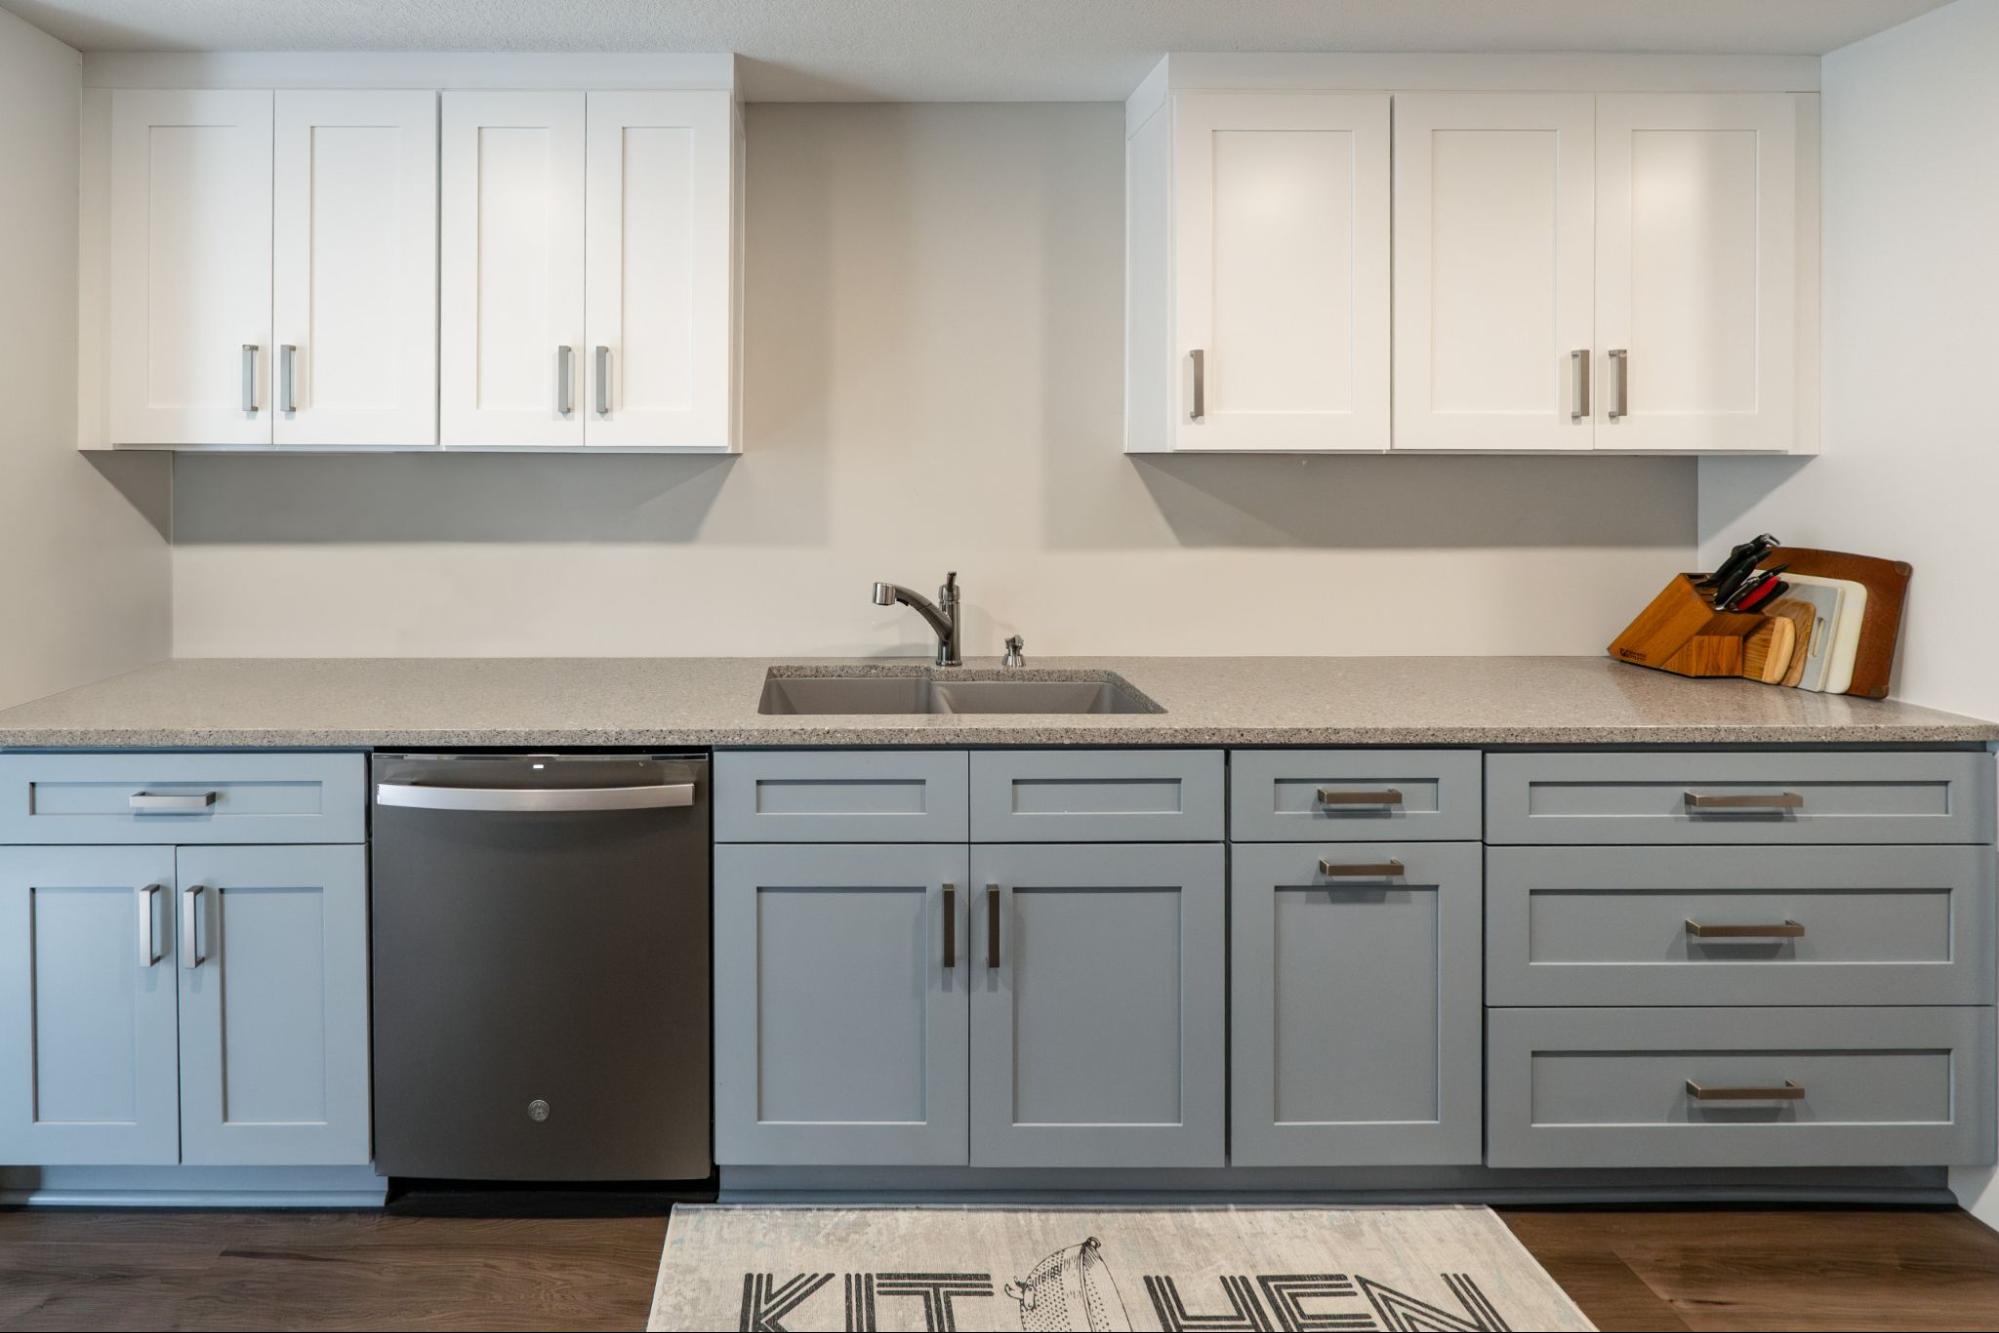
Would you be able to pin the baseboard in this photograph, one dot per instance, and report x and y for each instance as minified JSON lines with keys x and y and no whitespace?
{"x":192,"y":1187}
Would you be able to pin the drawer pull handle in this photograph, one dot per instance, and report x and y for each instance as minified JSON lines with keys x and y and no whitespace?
{"x":1384,"y":796}
{"x":992,"y":927}
{"x":1361,"y":869}
{"x":1748,"y":800}
{"x":170,"y":802}
{"x":1787,"y":930}
{"x":1790,"y":1092}
{"x":950,"y":926}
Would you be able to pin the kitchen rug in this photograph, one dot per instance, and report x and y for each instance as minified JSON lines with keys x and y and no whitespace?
{"x":1033,"y":1269}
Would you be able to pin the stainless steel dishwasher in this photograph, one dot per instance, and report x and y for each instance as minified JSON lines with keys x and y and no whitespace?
{"x":541,"y":958}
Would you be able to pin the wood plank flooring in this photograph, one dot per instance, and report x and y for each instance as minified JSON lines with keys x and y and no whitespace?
{"x":1633,"y":1269}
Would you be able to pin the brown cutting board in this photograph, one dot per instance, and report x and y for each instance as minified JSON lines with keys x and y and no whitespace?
{"x":1887,"y":584}
{"x":1801,"y":615}
{"x":1767,"y":653}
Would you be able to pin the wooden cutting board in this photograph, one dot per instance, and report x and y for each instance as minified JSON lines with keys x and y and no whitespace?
{"x":1767,"y":653}
{"x":1801,"y":615}
{"x":1887,"y":584}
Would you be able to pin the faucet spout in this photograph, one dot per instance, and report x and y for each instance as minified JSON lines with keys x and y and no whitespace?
{"x":943,"y":619}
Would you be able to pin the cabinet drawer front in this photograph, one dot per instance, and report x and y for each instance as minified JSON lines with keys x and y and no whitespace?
{"x":840,"y":796}
{"x":1690,"y":796}
{"x":1097,"y":796}
{"x":1739,"y":925}
{"x":1359,"y":795}
{"x":1616,"y":1087}
{"x":183,"y":798}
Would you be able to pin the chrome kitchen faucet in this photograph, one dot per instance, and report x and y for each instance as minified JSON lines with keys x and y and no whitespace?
{"x":942,"y":614}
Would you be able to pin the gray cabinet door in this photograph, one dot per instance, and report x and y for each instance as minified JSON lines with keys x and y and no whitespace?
{"x":1738,"y":925}
{"x":840,"y":796}
{"x":88,"y":1061}
{"x":1097,"y":796}
{"x":840,"y":1017}
{"x":273,"y":1006}
{"x":1357,"y":1007}
{"x":1098,"y":1038}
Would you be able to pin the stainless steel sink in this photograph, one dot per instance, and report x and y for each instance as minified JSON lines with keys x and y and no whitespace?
{"x":907,"y":694}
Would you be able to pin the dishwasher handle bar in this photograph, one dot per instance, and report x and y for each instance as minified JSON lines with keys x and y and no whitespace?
{"x":535,"y":800}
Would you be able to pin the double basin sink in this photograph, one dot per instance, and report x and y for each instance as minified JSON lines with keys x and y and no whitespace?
{"x":942,"y":692}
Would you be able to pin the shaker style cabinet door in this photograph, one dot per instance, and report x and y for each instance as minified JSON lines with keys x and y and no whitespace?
{"x":273,"y":1005}
{"x":190,"y":268}
{"x":658,"y":308}
{"x":511,"y":352}
{"x":354,"y":316}
{"x":840,"y":1020}
{"x":88,"y":1062}
{"x":1099,"y":1005}
{"x":1494,"y":270}
{"x":1281,"y":217}
{"x":1357,"y":1007}
{"x":1696,"y":254}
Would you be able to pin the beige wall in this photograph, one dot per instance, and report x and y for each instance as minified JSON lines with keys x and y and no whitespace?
{"x":933,"y":381}
{"x":84,"y":582}
{"x":1911,"y":466}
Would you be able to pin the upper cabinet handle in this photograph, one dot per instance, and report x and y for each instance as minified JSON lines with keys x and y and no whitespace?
{"x":565,"y":379}
{"x":249,"y":377}
{"x":287,"y":400}
{"x":1200,"y":408}
{"x":1620,"y":361}
{"x":603,"y":381}
{"x":1579,"y":359}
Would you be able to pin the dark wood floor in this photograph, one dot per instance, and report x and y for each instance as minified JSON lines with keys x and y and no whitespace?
{"x":1641,"y":1269}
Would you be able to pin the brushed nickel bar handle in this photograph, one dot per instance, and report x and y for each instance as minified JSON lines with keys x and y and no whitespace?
{"x":191,"y":955}
{"x":1620,"y":361}
{"x":287,"y":400}
{"x":149,"y":936}
{"x":1701,"y":1092}
{"x":1787,"y":930}
{"x":1380,"y":796}
{"x":1366,"y":869}
{"x":249,"y":377}
{"x":950,"y":926}
{"x":1579,"y":360}
{"x":565,"y":380}
{"x":1749,"y":800}
{"x":1199,"y":411}
{"x":992,"y":927}
{"x":603,"y":381}
{"x":169,"y":802}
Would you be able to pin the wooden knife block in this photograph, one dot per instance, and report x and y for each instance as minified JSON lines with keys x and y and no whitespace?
{"x":1681,"y":632}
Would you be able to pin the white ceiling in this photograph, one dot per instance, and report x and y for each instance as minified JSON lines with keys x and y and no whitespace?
{"x":964,"y":50}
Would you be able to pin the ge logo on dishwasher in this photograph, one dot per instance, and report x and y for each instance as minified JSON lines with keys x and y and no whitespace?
{"x":537,"y":1110}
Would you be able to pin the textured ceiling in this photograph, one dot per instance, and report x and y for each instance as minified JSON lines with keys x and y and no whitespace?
{"x":963,"y":50}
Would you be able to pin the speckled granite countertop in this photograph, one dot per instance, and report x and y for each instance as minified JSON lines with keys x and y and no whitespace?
{"x":549,"y":702}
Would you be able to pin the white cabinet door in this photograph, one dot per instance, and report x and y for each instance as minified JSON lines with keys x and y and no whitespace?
{"x":1281,"y":270}
{"x":511,"y":335}
{"x":190,"y":264}
{"x":1494,"y":270}
{"x":658,"y":261}
{"x":1697,"y":272}
{"x":355,"y":282}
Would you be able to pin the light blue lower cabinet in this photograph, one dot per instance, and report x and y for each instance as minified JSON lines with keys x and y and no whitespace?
{"x":1099,"y":1028}
{"x":840,"y":1004}
{"x":273,"y":1006}
{"x":88,"y":1066}
{"x":1357,"y":1010}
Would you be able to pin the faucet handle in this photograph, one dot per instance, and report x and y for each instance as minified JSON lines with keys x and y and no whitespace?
{"x":1013,"y":658}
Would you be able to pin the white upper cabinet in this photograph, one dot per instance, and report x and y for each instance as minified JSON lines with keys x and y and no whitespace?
{"x":511,"y":337}
{"x":1269,"y":227}
{"x":618,"y":331}
{"x":188,"y":330}
{"x":658,"y":304}
{"x":1494,"y":270}
{"x":1697,"y":262}
{"x":354,"y":318}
